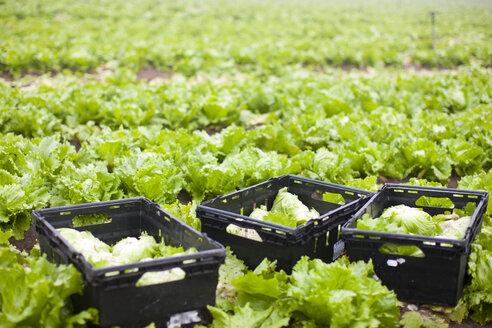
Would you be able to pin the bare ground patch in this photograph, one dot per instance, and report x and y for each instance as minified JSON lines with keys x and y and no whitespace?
{"x":150,"y":74}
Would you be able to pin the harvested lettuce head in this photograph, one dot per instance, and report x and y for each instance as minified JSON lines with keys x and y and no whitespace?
{"x":290,"y":205}
{"x":259,"y":212}
{"x":412,"y":220}
{"x":286,"y":210}
{"x":243,"y":232}
{"x":127,"y":250}
{"x":95,"y":251}
{"x":131,"y":249}
{"x":455,"y":229}
{"x":159,"y":277}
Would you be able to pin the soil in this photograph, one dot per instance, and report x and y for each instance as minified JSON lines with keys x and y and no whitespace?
{"x":9,"y":77}
{"x":452,"y":183}
{"x":26,"y":244}
{"x":453,"y":180}
{"x":468,"y":324}
{"x":6,"y":76}
{"x":382,"y":179}
{"x":150,"y":74}
{"x":424,"y":311}
{"x":421,"y":68}
{"x":211,"y":130}
{"x":76,"y":143}
{"x":184,"y":197}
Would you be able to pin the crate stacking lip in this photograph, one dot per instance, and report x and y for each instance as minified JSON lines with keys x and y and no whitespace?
{"x":437,"y":277}
{"x":112,"y":290}
{"x":317,"y":238}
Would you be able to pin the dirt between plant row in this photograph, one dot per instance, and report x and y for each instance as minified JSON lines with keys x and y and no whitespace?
{"x":151,"y":73}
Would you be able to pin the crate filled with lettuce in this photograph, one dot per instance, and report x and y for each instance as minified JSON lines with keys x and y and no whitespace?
{"x":418,"y":239}
{"x":139,"y":264}
{"x":282,"y":219}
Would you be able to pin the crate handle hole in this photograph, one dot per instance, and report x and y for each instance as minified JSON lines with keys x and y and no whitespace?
{"x":333,"y":198}
{"x":405,"y":250}
{"x":243,"y":232}
{"x":160,"y":277}
{"x":91,"y":219}
{"x":429,"y":201}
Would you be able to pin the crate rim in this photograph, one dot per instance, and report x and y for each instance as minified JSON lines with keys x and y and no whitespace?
{"x":170,"y":261}
{"x":431,"y":188}
{"x":348,"y":232}
{"x":204,"y":205}
{"x":56,"y":209}
{"x":289,"y":176}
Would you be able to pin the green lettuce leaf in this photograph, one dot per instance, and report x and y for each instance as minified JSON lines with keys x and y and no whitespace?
{"x":243,"y":317}
{"x":341,"y":294}
{"x":289,"y":204}
{"x":401,"y":219}
{"x":477,"y":294}
{"x":35,"y":292}
{"x":417,"y":320}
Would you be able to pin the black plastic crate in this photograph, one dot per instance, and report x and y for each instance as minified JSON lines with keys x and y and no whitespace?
{"x":438,"y":277}
{"x":112,"y":289}
{"x":318,"y":238}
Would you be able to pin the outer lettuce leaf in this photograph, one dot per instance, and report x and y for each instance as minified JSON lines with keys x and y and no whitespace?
{"x":417,"y":320}
{"x":131,"y":249}
{"x":479,"y":181}
{"x":151,"y":175}
{"x":23,"y":187}
{"x":243,"y":317}
{"x":233,"y":268}
{"x":259,"y":213}
{"x":255,"y":165}
{"x":256,"y":290}
{"x":289,"y":204}
{"x":412,"y":220}
{"x":35,"y":292}
{"x":208,"y":180}
{"x":338,"y":294}
{"x":401,"y":219}
{"x":455,"y":229}
{"x":283,"y":219}
{"x":95,"y":251}
{"x":477,"y":294}
{"x":341,"y":294}
{"x":368,"y":183}
{"x":127,"y":250}
{"x":85,"y":184}
{"x":286,"y":210}
{"x":326,"y":165}
{"x":185,"y":213}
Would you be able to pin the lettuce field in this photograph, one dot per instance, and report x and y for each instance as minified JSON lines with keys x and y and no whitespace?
{"x":182,"y":101}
